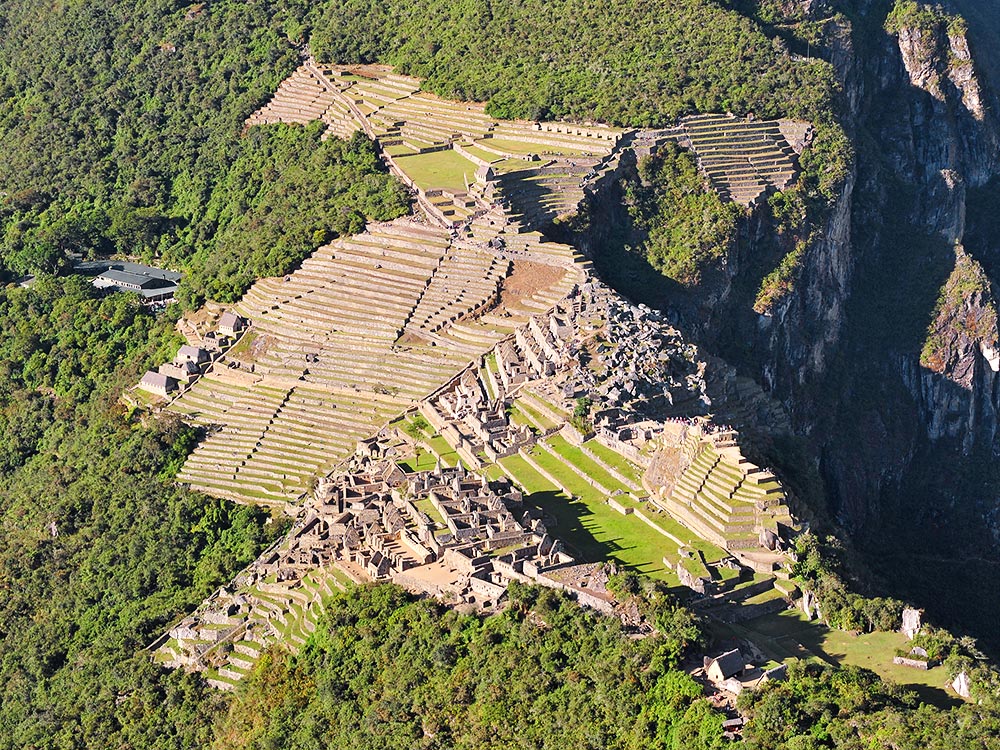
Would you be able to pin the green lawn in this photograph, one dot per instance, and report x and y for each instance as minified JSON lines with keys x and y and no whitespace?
{"x":481,"y":153}
{"x":518,"y":417}
{"x":536,"y":415}
{"x":440,"y":446}
{"x":398,"y":150}
{"x":569,"y":479}
{"x":439,"y":169}
{"x":616,"y":461}
{"x":523,"y":147}
{"x":558,"y":410}
{"x":244,"y":345}
{"x":788,"y":635}
{"x":425,"y":505}
{"x":529,"y":479}
{"x":593,"y":529}
{"x":581,"y":461}
{"x":493,"y":472}
{"x":423,"y":461}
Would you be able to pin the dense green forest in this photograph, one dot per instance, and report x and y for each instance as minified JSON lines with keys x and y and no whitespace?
{"x":386,"y":671}
{"x":624,"y":62}
{"x":99,"y":551}
{"x":286,"y":193}
{"x":120,"y":131}
{"x":852,"y":709}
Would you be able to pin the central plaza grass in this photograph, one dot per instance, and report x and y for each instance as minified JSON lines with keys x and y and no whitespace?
{"x":447,"y":170}
{"x":583,"y":462}
{"x":544,"y":422}
{"x":592,"y":529}
{"x":616,"y":461}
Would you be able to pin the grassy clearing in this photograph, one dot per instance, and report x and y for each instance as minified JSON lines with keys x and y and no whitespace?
{"x":518,"y":417}
{"x":592,"y":528}
{"x":566,"y":476}
{"x":544,"y":422}
{"x":581,"y":461}
{"x":788,"y":634}
{"x":399,"y":150}
{"x":423,"y":461}
{"x":523,"y":147}
{"x":426,"y":506}
{"x":440,"y":446}
{"x":482,"y":153}
{"x":439,"y":169}
{"x":490,"y":393}
{"x":494,"y":472}
{"x":558,"y":410}
{"x":244,"y":346}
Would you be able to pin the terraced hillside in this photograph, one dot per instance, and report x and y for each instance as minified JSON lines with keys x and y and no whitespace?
{"x":725,"y":498}
{"x":742,"y":158}
{"x":372,"y":323}
{"x":363,"y":330}
{"x":443,"y":149}
{"x":302,"y":97}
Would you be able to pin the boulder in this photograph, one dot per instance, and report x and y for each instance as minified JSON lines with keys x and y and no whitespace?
{"x":911,"y":622}
{"x":961,"y":684}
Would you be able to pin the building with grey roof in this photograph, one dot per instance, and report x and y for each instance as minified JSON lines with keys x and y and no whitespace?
{"x":157,"y":383}
{"x":152,"y":284}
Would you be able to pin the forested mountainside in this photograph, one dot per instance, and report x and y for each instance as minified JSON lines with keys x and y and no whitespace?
{"x":862,"y":297}
{"x":883,"y":349}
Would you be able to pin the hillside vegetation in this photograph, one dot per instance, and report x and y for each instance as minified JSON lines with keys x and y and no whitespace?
{"x":120,"y":131}
{"x":687,"y":227}
{"x":99,"y":551}
{"x":386,"y":671}
{"x":626,"y":62}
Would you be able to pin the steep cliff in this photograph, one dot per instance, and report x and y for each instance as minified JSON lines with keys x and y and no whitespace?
{"x":874,"y":318}
{"x":940,"y":142}
{"x":905,"y":416}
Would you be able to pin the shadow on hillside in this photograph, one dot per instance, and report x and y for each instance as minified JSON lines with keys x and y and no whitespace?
{"x":537,"y":201}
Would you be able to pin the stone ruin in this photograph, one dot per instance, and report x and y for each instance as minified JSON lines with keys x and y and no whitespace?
{"x":445,"y":532}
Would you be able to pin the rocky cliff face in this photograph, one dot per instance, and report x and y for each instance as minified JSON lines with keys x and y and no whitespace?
{"x":887,"y":353}
{"x":942,"y":142}
{"x":804,"y":328}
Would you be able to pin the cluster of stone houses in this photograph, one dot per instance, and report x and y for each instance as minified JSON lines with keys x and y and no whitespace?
{"x":474,"y":424}
{"x":446,"y":532}
{"x":186,"y":366}
{"x":631,"y":364}
{"x":730,"y":671}
{"x":191,"y":361}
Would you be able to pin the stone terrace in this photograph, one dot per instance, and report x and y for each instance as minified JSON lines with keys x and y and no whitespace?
{"x":725,"y":498}
{"x":364,"y":329}
{"x":302,"y":97}
{"x":742,"y":158}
